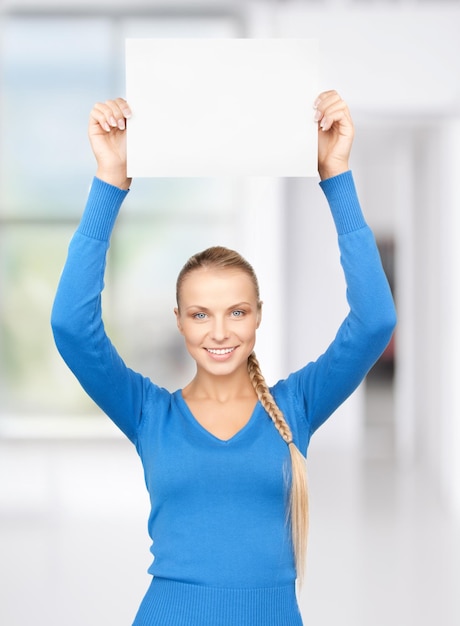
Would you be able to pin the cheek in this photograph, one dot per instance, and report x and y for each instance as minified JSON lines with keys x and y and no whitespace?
{"x":190,"y":332}
{"x":250,"y":329}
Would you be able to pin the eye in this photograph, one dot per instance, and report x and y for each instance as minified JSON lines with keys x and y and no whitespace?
{"x":199,"y":316}
{"x":238,"y":313}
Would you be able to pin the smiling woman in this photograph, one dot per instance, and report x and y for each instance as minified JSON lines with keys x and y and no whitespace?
{"x":218,"y":311}
{"x":223,"y":457}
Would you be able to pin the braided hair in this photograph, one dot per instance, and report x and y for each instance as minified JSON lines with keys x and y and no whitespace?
{"x":298,"y":500}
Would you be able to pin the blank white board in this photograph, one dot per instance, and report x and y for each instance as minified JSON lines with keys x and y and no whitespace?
{"x":222,"y":107}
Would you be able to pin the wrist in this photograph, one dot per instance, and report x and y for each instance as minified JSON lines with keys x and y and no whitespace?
{"x":332,"y":170}
{"x":115,"y":178}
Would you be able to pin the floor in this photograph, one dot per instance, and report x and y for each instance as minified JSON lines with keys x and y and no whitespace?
{"x":74,"y":547}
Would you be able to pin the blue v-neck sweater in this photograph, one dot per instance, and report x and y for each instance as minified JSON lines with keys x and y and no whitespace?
{"x":221,"y":545}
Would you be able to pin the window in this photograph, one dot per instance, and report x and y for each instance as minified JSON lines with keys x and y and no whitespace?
{"x":52,"y":70}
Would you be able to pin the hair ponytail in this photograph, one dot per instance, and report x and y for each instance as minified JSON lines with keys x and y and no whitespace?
{"x":298,"y":499}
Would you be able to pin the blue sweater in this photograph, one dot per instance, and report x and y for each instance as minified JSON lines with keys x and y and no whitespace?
{"x":218,"y":508}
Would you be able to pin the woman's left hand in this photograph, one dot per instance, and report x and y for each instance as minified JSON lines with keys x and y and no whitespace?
{"x":335,"y":134}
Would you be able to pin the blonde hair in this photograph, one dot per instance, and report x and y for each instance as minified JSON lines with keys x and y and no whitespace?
{"x":223,"y":258}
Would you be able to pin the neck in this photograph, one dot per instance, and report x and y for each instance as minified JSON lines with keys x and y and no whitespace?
{"x":220,"y":388}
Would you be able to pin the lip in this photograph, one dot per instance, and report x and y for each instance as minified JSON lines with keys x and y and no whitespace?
{"x":220,"y":354}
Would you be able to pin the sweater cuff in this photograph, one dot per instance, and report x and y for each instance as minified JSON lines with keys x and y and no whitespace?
{"x":101,"y":211}
{"x":343,"y":200}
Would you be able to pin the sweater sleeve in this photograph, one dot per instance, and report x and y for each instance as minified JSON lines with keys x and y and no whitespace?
{"x":76,"y":317}
{"x":362,"y":337}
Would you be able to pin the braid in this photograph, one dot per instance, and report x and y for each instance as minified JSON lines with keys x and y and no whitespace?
{"x":298,"y":501}
{"x":267,"y":400}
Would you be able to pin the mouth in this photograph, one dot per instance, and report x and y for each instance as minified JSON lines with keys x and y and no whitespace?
{"x":220,"y":351}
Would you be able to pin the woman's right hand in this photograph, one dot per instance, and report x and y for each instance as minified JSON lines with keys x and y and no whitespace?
{"x":107,"y":135}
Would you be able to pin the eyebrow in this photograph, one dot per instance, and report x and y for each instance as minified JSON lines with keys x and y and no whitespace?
{"x":238,"y":305}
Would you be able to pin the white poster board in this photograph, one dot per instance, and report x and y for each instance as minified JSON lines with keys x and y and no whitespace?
{"x":222,"y":107}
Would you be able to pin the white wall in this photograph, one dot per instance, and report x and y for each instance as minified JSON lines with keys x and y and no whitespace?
{"x":399,"y":60}
{"x":449,"y":278}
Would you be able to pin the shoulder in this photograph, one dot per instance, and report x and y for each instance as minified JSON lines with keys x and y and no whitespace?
{"x":291,"y":392}
{"x":289,"y":395}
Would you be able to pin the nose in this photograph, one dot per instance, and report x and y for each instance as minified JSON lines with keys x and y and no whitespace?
{"x":219,"y":330}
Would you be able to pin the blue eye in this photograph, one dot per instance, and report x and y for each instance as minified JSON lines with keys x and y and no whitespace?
{"x":238,"y":313}
{"x":199,"y":316}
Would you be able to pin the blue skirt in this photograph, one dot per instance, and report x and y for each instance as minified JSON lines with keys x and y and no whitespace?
{"x":172,"y":603}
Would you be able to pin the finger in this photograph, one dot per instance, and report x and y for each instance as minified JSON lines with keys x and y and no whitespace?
{"x":337,"y":112}
{"x":114,"y":114}
{"x":325,"y":98}
{"x":111,"y":114}
{"x":325,"y":104}
{"x":99,"y":116}
{"x":330,"y":109}
{"x":124,"y":107}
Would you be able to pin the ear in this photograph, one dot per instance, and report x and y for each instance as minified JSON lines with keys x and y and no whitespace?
{"x":178,"y":322}
{"x":259,"y":314}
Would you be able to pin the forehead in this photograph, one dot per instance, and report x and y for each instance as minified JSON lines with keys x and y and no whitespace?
{"x":231,"y":285}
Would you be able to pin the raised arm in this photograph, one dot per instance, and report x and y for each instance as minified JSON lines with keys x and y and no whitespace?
{"x":76,"y":317}
{"x":324,"y":384}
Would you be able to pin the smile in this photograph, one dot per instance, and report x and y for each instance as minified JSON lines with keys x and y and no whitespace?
{"x":220,"y":351}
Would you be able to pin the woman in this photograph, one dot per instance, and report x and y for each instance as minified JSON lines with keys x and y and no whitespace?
{"x":224,"y":457}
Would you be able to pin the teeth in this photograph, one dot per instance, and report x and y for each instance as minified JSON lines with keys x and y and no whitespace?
{"x":221,"y":351}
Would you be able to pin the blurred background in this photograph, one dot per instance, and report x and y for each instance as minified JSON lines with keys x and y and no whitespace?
{"x":385,"y":470}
